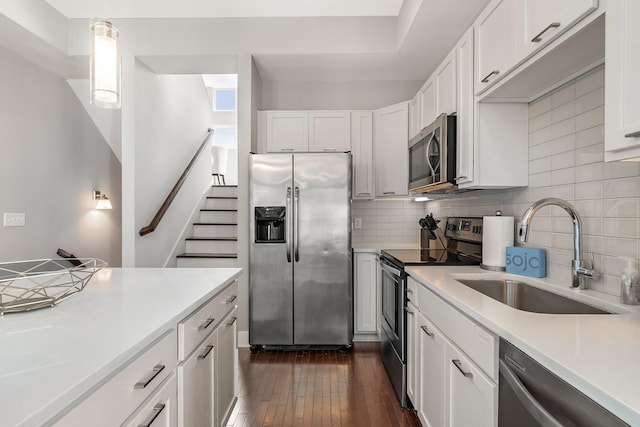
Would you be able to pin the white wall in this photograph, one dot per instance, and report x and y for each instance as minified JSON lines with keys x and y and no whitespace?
{"x":52,"y":158}
{"x":365,"y":95}
{"x":387,"y":221}
{"x":172,"y":115}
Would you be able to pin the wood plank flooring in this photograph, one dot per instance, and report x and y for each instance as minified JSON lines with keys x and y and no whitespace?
{"x":317,"y":388}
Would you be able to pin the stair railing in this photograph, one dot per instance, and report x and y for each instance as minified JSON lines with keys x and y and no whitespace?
{"x":176,"y":188}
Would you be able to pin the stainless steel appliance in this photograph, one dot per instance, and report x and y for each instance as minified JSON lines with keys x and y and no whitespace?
{"x":532,"y":396}
{"x":300,"y":291}
{"x":432,"y":157}
{"x":464,"y":247}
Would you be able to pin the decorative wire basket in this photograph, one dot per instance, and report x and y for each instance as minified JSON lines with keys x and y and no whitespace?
{"x":28,"y":285}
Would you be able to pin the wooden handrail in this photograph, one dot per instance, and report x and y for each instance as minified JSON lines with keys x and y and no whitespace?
{"x":174,"y":191}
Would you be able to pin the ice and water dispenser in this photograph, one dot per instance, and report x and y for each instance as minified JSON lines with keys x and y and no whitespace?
{"x":270,"y":224}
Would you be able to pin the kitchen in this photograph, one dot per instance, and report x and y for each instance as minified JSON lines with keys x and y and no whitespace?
{"x":604,"y":193}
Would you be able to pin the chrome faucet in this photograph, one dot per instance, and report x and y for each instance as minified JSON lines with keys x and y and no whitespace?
{"x":578,"y":272}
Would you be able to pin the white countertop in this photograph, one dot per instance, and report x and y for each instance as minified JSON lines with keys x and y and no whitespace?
{"x":597,"y":354}
{"x":51,"y":357}
{"x":377,"y":246}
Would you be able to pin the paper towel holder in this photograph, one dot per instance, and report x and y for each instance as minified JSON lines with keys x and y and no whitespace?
{"x":494,"y":267}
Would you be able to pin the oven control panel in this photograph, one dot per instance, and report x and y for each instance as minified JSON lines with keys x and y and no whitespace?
{"x":464,"y":228}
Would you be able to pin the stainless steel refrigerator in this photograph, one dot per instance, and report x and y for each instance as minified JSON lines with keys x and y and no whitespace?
{"x":300,"y":291}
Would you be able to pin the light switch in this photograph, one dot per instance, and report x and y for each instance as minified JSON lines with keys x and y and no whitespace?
{"x":14,"y":219}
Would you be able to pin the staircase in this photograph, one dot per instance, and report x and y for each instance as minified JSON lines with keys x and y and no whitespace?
{"x":215,"y":236}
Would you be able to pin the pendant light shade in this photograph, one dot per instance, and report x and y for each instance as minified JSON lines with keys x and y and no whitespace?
{"x":105,"y":64}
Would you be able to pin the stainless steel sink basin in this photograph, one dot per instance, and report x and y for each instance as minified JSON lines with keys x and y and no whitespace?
{"x":525,"y":297}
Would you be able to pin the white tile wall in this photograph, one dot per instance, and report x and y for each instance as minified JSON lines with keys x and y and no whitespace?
{"x":387,"y":221}
{"x":566,"y":135}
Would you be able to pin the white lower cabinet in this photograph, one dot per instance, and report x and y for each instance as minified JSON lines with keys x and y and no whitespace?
{"x":412,"y":348}
{"x":196,"y":383}
{"x":160,"y":410}
{"x":365,"y":322}
{"x":450,"y":387}
{"x":225,"y":374}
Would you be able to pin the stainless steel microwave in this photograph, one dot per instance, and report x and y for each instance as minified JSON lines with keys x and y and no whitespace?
{"x":432,"y":157}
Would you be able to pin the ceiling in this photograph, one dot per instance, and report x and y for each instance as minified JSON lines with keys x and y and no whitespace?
{"x":224,"y":9}
{"x":290,"y":40}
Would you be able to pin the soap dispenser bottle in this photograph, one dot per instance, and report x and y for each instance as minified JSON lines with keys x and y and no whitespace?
{"x":629,"y":286}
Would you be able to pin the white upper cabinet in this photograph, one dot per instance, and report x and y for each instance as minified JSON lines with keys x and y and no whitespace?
{"x":622,"y":85}
{"x":287,"y":131}
{"x":497,"y":36}
{"x":362,"y":151}
{"x":415,"y":116}
{"x":329,"y":131}
{"x":445,"y":78}
{"x":391,"y":151}
{"x":428,"y":98}
{"x":544,"y":20}
{"x":464,"y":150}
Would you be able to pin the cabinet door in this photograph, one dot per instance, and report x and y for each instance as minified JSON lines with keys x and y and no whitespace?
{"x":329,"y":131}
{"x":366,"y":319}
{"x":226,"y":367}
{"x":464,"y":151}
{"x":432,"y":380}
{"x":473,"y":397}
{"x":196,"y":375}
{"x":413,"y":354}
{"x":445,"y":78}
{"x":622,"y":85}
{"x":159,"y":410}
{"x":544,"y":20}
{"x":362,"y":150}
{"x":497,"y":40}
{"x":287,"y":131}
{"x":414,"y":116}
{"x":428,"y":96}
{"x":391,"y":150}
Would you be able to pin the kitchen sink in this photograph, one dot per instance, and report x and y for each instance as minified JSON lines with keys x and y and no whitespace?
{"x":525,"y":297}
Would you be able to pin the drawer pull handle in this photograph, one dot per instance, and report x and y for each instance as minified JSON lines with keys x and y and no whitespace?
{"x":144,"y":383}
{"x":330,"y":149}
{"x":633,"y":135}
{"x":157,"y":410}
{"x":486,"y":79}
{"x":408,"y":311}
{"x":206,"y":324}
{"x":458,"y":365}
{"x":231,"y":299}
{"x":286,"y":149}
{"x":410,"y":291}
{"x":364,"y":194}
{"x":231,"y":322}
{"x":206,"y":352}
{"x":389,"y":192}
{"x":538,"y":37}
{"x":426,"y":331}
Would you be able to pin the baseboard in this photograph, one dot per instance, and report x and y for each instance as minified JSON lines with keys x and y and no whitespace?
{"x":243,"y":339}
{"x":373,"y":337}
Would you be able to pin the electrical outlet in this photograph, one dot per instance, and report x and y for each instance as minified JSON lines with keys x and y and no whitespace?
{"x":14,"y":219}
{"x":357,"y":223}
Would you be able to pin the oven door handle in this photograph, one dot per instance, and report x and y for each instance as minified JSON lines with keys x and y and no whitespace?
{"x":532,"y":406}
{"x":389,"y":269}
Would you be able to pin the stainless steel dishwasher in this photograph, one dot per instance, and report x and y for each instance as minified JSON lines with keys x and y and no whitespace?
{"x":532,"y":396}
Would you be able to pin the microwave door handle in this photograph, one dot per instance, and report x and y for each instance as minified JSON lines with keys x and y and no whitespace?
{"x":433,"y":172}
{"x":535,"y":409}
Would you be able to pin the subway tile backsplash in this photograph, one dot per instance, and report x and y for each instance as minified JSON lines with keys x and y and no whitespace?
{"x":566,"y":135}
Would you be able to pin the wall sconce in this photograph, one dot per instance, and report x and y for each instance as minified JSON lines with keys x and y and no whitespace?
{"x":102,"y":201}
{"x":105,"y":68}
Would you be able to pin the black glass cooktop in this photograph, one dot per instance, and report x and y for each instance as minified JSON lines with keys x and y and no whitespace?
{"x":403,"y":257}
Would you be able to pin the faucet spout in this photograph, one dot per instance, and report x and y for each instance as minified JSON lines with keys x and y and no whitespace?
{"x":577,"y":270}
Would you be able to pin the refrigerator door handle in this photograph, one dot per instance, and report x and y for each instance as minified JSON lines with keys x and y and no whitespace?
{"x":288,"y":225}
{"x":296,"y":199}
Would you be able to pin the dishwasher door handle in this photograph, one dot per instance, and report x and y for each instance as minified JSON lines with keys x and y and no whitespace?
{"x":532,"y":406}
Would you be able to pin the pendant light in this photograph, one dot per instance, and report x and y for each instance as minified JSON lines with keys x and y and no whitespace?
{"x":105,"y":64}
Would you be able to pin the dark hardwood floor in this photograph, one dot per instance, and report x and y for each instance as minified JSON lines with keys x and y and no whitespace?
{"x":317,"y":388}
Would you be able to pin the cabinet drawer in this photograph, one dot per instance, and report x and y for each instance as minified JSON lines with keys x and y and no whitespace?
{"x":196,"y":327}
{"x":480,"y":345}
{"x":114,"y":401}
{"x":159,"y":410}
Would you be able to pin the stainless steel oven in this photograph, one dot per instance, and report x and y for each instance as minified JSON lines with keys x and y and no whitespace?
{"x":392,"y":341}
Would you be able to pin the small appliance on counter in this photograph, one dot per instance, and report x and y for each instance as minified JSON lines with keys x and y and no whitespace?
{"x":463,"y":246}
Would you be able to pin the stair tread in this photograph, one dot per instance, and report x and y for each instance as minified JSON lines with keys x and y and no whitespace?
{"x":218,"y":210}
{"x":215,"y":223}
{"x":206,"y":255}
{"x":222,"y":239}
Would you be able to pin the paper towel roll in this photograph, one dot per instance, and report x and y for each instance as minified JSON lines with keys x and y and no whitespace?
{"x":497,"y":234}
